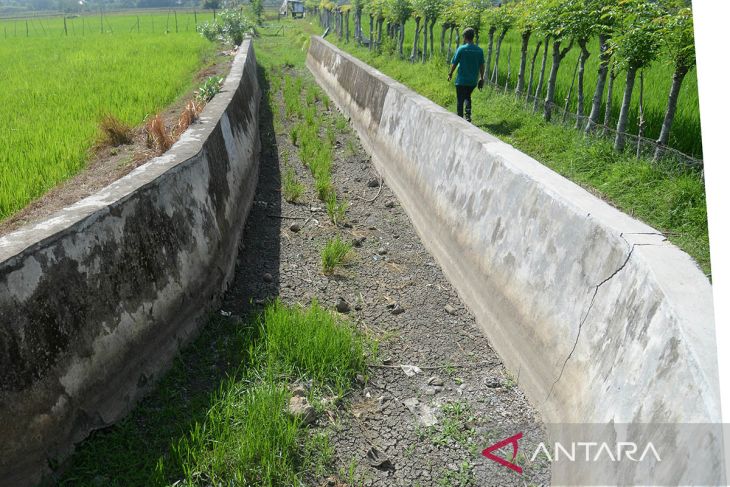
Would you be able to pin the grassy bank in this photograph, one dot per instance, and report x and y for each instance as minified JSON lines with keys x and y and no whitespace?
{"x":668,"y":197}
{"x":686,"y":132}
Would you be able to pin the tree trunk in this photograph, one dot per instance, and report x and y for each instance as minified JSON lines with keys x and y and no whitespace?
{"x":357,"y":19}
{"x":347,"y":27}
{"x":532,"y":67}
{"x":558,"y":56}
{"x":677,"y":78}
{"x":451,"y":37}
{"x":600,"y":83}
{"x":570,"y":92}
{"x":640,"y":132}
{"x":457,"y":38}
{"x":372,"y":37}
{"x":444,"y":28}
{"x":414,"y":50}
{"x":380,"y":32}
{"x":584,"y":54}
{"x":490,"y":37}
{"x":495,"y":74}
{"x":541,"y":78}
{"x":430,"y":32}
{"x":424,"y":54}
{"x":523,"y":62}
{"x":623,"y":118}
{"x":401,"y":37}
{"x":609,"y":97}
{"x":509,"y":69}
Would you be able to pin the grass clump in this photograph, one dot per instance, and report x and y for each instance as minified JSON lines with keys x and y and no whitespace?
{"x":335,"y":254}
{"x":292,"y":99}
{"x":115,"y":132}
{"x":313,"y":343}
{"x":247,"y":439}
{"x":291,"y":187}
{"x":336,"y":210}
{"x":158,"y":137}
{"x":341,"y":124}
{"x":189,"y":114}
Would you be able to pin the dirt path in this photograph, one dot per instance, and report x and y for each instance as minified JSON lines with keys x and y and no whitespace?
{"x":427,"y":428}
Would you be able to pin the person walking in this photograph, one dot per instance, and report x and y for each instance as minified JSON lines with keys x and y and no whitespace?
{"x":470,"y":60}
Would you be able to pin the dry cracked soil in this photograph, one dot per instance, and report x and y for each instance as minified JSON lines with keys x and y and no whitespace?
{"x":438,"y":394}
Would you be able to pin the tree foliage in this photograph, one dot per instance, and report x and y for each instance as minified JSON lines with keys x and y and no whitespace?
{"x":637,"y":38}
{"x":677,"y":37}
{"x":229,"y":26}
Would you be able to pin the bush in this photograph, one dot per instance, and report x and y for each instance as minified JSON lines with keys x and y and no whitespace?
{"x":210,"y":88}
{"x":230,"y":26}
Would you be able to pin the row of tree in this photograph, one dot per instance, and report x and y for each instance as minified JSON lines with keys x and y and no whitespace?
{"x":631,"y":35}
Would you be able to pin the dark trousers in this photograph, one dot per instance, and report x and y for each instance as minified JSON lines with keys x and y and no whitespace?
{"x":463,"y":97}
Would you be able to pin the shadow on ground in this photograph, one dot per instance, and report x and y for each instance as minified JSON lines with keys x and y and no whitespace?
{"x":502,"y":128}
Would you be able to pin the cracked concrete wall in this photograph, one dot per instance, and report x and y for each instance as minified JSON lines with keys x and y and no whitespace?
{"x":96,"y":300}
{"x":597,"y":314}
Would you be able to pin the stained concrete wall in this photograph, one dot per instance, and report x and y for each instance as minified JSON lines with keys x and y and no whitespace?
{"x":596,"y":313}
{"x":96,"y":300}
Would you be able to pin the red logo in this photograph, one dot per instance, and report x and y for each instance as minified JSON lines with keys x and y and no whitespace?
{"x":487,"y":452}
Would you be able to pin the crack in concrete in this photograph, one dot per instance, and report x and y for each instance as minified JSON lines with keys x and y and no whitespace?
{"x":590,"y":306}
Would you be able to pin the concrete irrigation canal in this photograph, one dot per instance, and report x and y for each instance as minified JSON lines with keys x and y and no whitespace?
{"x":503,"y":297}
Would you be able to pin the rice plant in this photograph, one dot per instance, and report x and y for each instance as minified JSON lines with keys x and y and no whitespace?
{"x":336,"y":210}
{"x":335,"y":253}
{"x":290,"y":186}
{"x":57,"y":87}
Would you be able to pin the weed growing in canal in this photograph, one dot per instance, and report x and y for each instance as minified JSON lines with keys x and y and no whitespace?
{"x":247,"y":436}
{"x":291,"y":93}
{"x":335,"y":254}
{"x":336,"y":210}
{"x":312,"y":343}
{"x":341,"y":124}
{"x":291,"y":187}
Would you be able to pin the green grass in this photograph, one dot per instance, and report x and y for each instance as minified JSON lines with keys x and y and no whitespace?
{"x":666,"y":196}
{"x":315,"y":151}
{"x":334,"y":254}
{"x":312,"y":343}
{"x":686,"y":131}
{"x":336,"y":209}
{"x":239,"y":433}
{"x":56,"y":88}
{"x":247,"y":438}
{"x":290,"y":186}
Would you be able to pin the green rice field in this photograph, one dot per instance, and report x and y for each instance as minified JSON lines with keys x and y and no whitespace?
{"x":56,"y":87}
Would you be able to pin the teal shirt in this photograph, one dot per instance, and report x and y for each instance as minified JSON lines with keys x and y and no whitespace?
{"x":470,"y":58}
